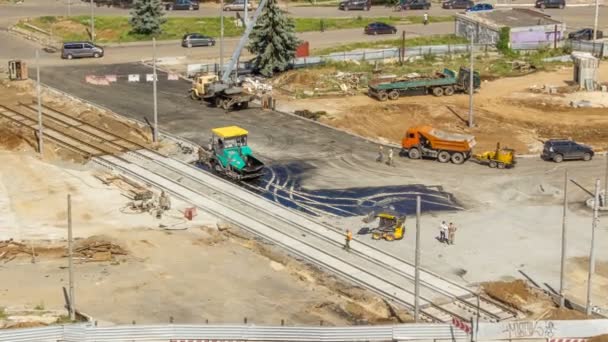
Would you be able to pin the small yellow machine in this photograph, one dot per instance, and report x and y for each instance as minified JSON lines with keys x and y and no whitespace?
{"x":391,"y":226}
{"x":500,"y":158}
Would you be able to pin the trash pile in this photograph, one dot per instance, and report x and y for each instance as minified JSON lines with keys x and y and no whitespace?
{"x":98,"y":248}
{"x":256,"y":85}
{"x":348,"y":82}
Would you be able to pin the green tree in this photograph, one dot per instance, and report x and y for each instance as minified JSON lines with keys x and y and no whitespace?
{"x":147,"y":16}
{"x":273,"y":40}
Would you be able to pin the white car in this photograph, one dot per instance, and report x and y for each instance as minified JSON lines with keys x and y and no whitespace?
{"x":239,"y":5}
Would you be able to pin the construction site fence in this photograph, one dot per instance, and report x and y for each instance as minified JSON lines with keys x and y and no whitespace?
{"x":364,"y":55}
{"x":598,"y":48}
{"x":541,"y":330}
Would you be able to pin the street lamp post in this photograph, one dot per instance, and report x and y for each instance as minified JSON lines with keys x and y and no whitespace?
{"x":471,"y":80}
{"x":92,"y":21}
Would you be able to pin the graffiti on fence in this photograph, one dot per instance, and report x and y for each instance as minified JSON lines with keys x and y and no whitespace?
{"x":531,"y":329}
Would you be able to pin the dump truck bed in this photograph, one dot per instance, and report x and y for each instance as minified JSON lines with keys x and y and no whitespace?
{"x":441,"y":140}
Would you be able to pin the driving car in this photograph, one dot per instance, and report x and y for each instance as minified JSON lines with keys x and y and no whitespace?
{"x":457,"y":4}
{"x":355,"y":5}
{"x":238,"y":5}
{"x":559,"y":150}
{"x":480,"y":8}
{"x":415,"y":4}
{"x":585,"y":34}
{"x":550,"y":3}
{"x":188,"y":5}
{"x":379,"y":28}
{"x":197,"y":39}
{"x":72,"y":50}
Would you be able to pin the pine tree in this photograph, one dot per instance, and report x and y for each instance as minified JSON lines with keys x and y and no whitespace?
{"x":273,"y":40}
{"x":147,"y":16}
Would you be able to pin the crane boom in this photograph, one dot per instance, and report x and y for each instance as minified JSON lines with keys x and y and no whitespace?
{"x":241,"y":44}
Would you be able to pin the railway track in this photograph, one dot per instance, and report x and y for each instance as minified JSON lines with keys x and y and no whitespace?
{"x":441,"y":299}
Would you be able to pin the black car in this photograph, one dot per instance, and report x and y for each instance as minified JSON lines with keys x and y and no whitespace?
{"x":196,"y":39}
{"x":457,"y":4}
{"x":379,"y":28}
{"x":559,"y":150}
{"x":585,"y":34}
{"x":189,"y":5}
{"x":550,"y":3}
{"x":416,"y":4}
{"x":355,"y":5}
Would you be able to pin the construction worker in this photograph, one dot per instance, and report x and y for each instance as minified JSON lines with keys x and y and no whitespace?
{"x":164,"y":201}
{"x":380,"y":157}
{"x":443,"y":229}
{"x":348,"y":237}
{"x":389,"y":162}
{"x":451,"y":233}
{"x":426,"y":19}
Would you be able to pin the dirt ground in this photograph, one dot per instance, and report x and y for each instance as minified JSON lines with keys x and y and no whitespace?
{"x":577,"y":270}
{"x":234,"y":277}
{"x":506,"y":111}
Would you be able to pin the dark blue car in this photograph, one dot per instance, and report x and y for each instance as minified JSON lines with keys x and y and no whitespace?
{"x":480,"y":8}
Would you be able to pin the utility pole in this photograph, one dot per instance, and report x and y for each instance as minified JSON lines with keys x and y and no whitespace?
{"x":69,"y":8}
{"x":592,"y":249}
{"x":562,"y":300}
{"x":70,"y":261}
{"x":221,"y":36}
{"x":403,"y":47}
{"x":155,"y":135}
{"x":92,"y":21}
{"x":417,"y":264}
{"x":471,"y":87}
{"x":605,"y":204}
{"x":246,"y":21}
{"x":38,"y":91}
{"x":597,"y":8}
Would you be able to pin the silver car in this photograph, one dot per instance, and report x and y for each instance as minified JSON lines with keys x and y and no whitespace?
{"x":81,"y":49}
{"x":238,"y":5}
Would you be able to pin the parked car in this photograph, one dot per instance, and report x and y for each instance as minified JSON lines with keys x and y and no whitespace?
{"x":480,"y":8}
{"x":379,"y":28}
{"x":81,"y":49}
{"x":457,"y":4}
{"x":355,"y":5}
{"x":585,"y":34}
{"x":189,"y":5}
{"x":559,"y":150}
{"x":415,"y":4}
{"x":550,"y":3}
{"x":197,"y":39}
{"x":238,"y":5}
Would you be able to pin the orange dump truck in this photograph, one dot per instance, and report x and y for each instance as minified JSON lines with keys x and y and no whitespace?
{"x":428,"y":142}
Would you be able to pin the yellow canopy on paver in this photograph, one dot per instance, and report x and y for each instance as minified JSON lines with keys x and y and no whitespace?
{"x":229,"y":132}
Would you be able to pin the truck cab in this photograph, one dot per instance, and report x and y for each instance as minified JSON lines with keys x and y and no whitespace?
{"x":464,"y":77}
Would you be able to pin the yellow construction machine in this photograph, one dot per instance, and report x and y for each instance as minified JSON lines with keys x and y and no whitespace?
{"x":500,"y":158}
{"x":391,"y":226}
{"x":208,"y":87}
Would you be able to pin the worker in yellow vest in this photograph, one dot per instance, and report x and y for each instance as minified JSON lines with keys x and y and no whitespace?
{"x":348,"y":238}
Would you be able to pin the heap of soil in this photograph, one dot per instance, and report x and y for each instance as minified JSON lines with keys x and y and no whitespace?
{"x":565,"y":314}
{"x":599,"y":338}
{"x":515,"y":293}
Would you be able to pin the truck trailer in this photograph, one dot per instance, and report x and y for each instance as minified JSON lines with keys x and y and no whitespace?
{"x":428,"y":142}
{"x":441,"y":83}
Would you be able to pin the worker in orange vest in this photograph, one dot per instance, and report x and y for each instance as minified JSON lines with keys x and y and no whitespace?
{"x":348,"y":238}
